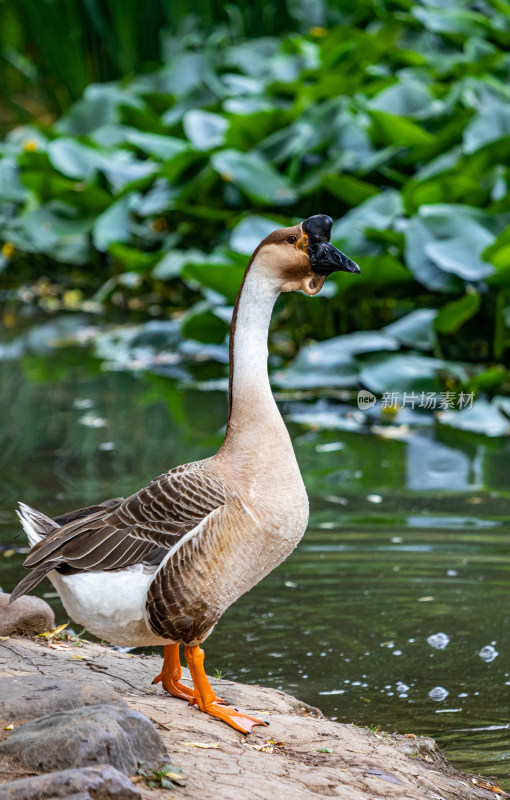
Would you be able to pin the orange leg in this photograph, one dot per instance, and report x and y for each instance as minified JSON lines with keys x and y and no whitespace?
{"x":206,"y":699}
{"x":170,"y":675}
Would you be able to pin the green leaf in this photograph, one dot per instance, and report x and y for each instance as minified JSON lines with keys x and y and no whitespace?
{"x":222,"y":278}
{"x":483,"y":417}
{"x":461,"y":256}
{"x":446,"y":240}
{"x":490,"y":124}
{"x":249,"y":233}
{"x":378,"y":212}
{"x":99,"y":106}
{"x":10,"y":184}
{"x":409,"y":98}
{"x":164,"y":148}
{"x":113,"y":224}
{"x":257,"y":179}
{"x":377,"y":273}
{"x":451,"y":20}
{"x":131,"y":258}
{"x":172,"y":263}
{"x":332,"y":363}
{"x":499,"y":254}
{"x":205,"y":327}
{"x":74,"y":159}
{"x":453,"y":315}
{"x":390,"y":129}
{"x":204,"y":130}
{"x":406,"y":372}
{"x":348,"y":188}
{"x":416,"y":329}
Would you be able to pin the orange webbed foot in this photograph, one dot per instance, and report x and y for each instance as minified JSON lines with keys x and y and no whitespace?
{"x":208,"y":702}
{"x":236,"y":719}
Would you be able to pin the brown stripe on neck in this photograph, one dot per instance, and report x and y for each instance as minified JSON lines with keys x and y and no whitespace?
{"x":233,"y":326}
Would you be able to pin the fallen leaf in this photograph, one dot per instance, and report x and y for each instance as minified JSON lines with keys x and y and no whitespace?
{"x":9,"y":728}
{"x":9,"y":553}
{"x":410,"y":736}
{"x":202,"y":745}
{"x":3,"y":638}
{"x":79,"y":658}
{"x":324,"y":750}
{"x":54,"y":632}
{"x":490,"y":787}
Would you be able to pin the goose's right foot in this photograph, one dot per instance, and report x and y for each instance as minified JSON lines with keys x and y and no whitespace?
{"x":208,"y":702}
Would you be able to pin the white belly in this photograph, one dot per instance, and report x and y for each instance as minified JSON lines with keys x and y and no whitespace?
{"x":111,"y":605}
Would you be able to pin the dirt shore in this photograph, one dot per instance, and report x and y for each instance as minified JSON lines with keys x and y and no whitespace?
{"x":300,"y":756}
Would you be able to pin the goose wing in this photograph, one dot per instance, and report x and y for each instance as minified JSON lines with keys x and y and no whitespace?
{"x":140,"y":528}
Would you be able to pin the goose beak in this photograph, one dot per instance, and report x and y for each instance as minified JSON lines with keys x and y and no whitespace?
{"x":324,"y":257}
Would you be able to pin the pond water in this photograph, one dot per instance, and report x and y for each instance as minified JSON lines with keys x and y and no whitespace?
{"x":393,"y":611}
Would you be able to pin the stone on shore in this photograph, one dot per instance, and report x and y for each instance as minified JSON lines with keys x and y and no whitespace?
{"x":102,"y":734}
{"x":26,"y":616}
{"x":90,"y":783}
{"x":29,"y":696}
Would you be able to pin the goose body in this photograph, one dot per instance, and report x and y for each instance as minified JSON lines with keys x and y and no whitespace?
{"x":161,"y":566}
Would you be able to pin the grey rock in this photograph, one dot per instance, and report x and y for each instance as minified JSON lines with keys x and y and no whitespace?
{"x":91,"y":783}
{"x":87,"y":736}
{"x":27,"y":616}
{"x":29,"y":696}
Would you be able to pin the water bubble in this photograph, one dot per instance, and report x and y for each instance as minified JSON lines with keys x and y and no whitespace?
{"x":488,"y":653}
{"x":374,"y":498}
{"x":438,"y":641}
{"x":92,"y":421}
{"x":329,"y":447}
{"x":83,"y":402}
{"x":438,"y":693}
{"x":401,"y":687}
{"x":452,"y":573}
{"x":397,"y":652}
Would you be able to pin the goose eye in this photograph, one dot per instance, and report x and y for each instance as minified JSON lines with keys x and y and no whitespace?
{"x":292,"y":239}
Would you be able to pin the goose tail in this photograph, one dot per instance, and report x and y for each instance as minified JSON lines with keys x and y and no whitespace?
{"x":35,"y":524}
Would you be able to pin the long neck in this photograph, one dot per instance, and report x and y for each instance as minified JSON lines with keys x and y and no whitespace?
{"x":251,"y":404}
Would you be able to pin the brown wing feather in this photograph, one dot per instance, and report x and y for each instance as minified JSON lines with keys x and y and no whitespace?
{"x":140,"y":528}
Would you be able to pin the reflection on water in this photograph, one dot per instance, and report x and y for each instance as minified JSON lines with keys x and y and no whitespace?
{"x":393,"y":611}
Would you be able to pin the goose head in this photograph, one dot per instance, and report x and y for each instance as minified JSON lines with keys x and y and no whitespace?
{"x":300,"y":258}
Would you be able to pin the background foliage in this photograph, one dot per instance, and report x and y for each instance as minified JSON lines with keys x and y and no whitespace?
{"x":149,"y":191}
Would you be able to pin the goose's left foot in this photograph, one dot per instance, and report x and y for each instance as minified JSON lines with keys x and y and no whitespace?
{"x":170,"y":677}
{"x":206,"y":699}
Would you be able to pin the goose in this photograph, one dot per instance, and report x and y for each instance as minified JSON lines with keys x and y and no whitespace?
{"x":161,"y":566}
